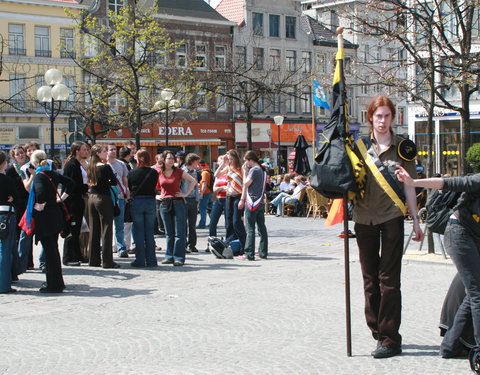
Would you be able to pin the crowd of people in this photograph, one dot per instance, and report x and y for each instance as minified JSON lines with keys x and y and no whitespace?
{"x":102,"y":204}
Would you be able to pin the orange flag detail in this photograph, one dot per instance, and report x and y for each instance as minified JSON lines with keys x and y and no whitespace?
{"x":335,"y":214}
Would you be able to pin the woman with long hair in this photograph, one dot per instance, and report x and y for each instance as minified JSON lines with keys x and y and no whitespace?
{"x":24,"y":242}
{"x":72,"y":255}
{"x":100,"y":206}
{"x":172,"y":207}
{"x":254,"y":182}
{"x":7,"y":215}
{"x":233,"y":214}
{"x":43,"y":207}
{"x":142,"y":182}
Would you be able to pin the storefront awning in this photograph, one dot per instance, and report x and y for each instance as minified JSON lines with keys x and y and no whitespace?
{"x":171,"y":142}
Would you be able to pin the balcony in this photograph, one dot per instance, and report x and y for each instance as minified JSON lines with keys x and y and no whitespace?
{"x":17,"y":51}
{"x":43,"y":53}
{"x":29,"y":106}
{"x":64,"y":54}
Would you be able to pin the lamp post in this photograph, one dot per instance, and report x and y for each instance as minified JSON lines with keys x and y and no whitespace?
{"x":65,"y":132}
{"x":278,"y":121}
{"x":54,"y":91}
{"x":166,"y":105}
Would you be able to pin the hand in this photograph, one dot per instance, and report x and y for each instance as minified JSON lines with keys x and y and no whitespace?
{"x":39,"y":206}
{"x":403,"y":176}
{"x":241,"y":204}
{"x":10,"y":199}
{"x":180,"y":195}
{"x":158,"y":197}
{"x":418,"y":231}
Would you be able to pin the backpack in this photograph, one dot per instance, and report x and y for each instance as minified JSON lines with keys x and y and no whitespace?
{"x":439,"y":209}
{"x":219,"y":248}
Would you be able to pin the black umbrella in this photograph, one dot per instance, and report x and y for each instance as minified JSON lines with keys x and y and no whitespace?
{"x":301,"y":164}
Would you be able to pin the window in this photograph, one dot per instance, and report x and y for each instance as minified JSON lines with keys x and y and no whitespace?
{"x":66,"y":43}
{"x":257,"y":23}
{"x":241,"y":56}
{"x":239,"y":106}
{"x":258,"y":58}
{"x":181,"y":55}
{"x":16,"y":39}
{"x":291,"y":102}
{"x":220,"y":99}
{"x":69,"y":81}
{"x":291,"y":57}
{"x":364,"y":116}
{"x":306,"y":101}
{"x":28,"y":132}
{"x":42,"y":41}
{"x":201,"y":55}
{"x":306,"y":62}
{"x":321,"y":63}
{"x":89,"y":46}
{"x":347,"y":65}
{"x":220,"y":57}
{"x":202,"y":101}
{"x":274,"y":25}
{"x":260,"y":105}
{"x":115,"y":103}
{"x":276,"y":103}
{"x":290,"y":23}
{"x":275,"y":59}
{"x":17,"y":90}
{"x":401,"y":115}
{"x":115,"y":5}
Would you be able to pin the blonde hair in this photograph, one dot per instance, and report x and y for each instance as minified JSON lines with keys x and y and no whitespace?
{"x":39,"y":157}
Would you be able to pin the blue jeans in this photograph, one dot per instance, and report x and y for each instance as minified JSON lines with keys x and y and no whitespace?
{"x":175,"y":225}
{"x":25,"y":247}
{"x":217,"y":210}
{"x":118,"y":220}
{"x":464,"y":251}
{"x":7,"y":247}
{"x":191,"y":206}
{"x":277,"y":202}
{"x":203,"y":205}
{"x":233,"y":220}
{"x":143,"y":216}
{"x":251,"y":218}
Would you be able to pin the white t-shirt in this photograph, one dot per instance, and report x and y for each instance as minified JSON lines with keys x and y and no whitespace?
{"x":120,"y":170}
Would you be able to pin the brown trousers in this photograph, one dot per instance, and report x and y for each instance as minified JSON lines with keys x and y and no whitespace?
{"x":381,"y":250}
{"x":100,"y":223}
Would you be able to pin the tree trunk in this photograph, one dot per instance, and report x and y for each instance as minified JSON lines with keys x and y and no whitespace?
{"x":249,"y":128}
{"x":465,"y":130}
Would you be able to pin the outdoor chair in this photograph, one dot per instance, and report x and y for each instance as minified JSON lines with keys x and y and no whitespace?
{"x":291,"y":206}
{"x":318,"y":204}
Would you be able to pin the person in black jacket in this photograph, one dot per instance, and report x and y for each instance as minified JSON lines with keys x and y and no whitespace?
{"x":462,"y":242}
{"x":72,"y":255}
{"x":7,"y":213}
{"x":48,"y":217}
{"x":100,"y":206}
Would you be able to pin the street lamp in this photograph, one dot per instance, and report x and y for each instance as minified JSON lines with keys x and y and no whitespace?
{"x":54,"y":91}
{"x":166,"y":105}
{"x":278,"y":121}
{"x":65,"y":133}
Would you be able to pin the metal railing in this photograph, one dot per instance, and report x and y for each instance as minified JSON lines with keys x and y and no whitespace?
{"x":29,"y":106}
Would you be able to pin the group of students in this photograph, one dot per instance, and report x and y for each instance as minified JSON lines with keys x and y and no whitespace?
{"x":97,"y":189}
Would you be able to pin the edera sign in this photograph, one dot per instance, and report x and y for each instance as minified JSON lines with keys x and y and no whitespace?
{"x":175,"y":130}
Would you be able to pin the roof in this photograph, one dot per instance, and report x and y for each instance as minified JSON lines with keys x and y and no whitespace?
{"x":232,"y":10}
{"x":322,"y":36}
{"x":188,"y":8}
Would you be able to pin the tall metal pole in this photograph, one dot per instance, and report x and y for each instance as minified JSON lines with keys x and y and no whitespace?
{"x":166,"y":126}
{"x":278,"y":152}
{"x":52,"y":124}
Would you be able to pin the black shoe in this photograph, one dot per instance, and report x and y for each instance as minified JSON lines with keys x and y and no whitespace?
{"x":71,"y":264}
{"x":193,"y":249}
{"x":177,"y":263}
{"x":167,"y":261}
{"x":114,"y":265}
{"x":46,"y":289}
{"x":379,"y":344}
{"x":386,"y":352}
{"x":133,"y":264}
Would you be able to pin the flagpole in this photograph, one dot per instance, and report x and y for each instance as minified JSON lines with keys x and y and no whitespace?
{"x":346,"y":244}
{"x":314,"y":128}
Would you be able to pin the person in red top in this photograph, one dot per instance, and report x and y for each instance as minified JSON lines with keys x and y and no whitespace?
{"x":172,"y":207}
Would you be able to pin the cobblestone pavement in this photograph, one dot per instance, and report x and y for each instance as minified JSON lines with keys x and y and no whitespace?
{"x":284,"y":315}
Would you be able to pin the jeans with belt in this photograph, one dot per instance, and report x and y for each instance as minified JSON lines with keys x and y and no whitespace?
{"x":217,"y":210}
{"x":464,"y":250}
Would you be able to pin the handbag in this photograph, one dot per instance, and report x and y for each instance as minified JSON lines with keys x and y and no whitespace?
{"x":114,"y":195}
{"x":24,"y":226}
{"x":4,"y":225}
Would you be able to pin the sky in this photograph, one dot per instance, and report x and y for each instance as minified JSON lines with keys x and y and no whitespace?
{"x":213,"y":3}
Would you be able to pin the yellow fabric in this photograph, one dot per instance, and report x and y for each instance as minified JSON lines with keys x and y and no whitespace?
{"x":380,"y":178}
